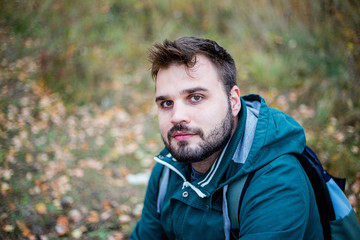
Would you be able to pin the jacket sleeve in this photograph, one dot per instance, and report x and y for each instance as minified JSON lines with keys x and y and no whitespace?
{"x":280,"y":204}
{"x":149,"y":226}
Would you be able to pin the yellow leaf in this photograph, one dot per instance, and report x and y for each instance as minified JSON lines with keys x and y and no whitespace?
{"x":29,"y":158}
{"x":22,"y":76}
{"x":335,"y":157}
{"x":41,"y":208}
{"x":330,"y":129}
{"x":5,"y":187}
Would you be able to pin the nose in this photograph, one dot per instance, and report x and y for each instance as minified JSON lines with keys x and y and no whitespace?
{"x":180,"y":114}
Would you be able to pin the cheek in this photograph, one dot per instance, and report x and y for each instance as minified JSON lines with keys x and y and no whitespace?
{"x":163,"y":124}
{"x":213,"y":116}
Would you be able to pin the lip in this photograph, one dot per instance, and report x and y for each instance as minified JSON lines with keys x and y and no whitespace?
{"x":181,"y":136}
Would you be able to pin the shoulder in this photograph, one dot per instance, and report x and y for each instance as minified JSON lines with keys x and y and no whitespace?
{"x":279,"y":198}
{"x":152,"y":190}
{"x":156,"y":174}
{"x":286,"y":169}
{"x":283,"y":179}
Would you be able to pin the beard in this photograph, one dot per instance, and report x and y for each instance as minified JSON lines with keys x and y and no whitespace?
{"x":211,"y":143}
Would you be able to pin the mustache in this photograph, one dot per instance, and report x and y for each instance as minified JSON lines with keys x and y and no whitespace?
{"x":184,"y":128}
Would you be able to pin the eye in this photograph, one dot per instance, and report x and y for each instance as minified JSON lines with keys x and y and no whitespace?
{"x":166,"y":104}
{"x":196,"y":98}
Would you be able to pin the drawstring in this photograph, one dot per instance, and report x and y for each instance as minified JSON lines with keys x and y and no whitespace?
{"x":186,"y":183}
{"x":198,"y":192}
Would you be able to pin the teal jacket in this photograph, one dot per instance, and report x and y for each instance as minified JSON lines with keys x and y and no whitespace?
{"x":278,"y":204}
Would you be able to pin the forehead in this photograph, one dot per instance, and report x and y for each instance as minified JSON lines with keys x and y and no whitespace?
{"x":179,"y":77}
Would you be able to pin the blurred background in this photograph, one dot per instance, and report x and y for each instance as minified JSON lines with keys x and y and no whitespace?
{"x":78,"y":127}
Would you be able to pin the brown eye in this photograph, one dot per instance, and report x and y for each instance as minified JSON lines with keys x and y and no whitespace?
{"x":166,"y":104}
{"x":196,"y":98}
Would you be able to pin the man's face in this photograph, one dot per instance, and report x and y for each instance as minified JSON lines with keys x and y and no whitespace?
{"x":194,"y":112}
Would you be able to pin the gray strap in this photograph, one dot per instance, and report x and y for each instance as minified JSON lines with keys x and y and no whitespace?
{"x":233,"y":196}
{"x":163,"y":183}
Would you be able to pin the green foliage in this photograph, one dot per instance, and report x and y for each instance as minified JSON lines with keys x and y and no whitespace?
{"x":76,"y":97}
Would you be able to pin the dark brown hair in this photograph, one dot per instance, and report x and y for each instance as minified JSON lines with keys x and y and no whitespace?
{"x":184,"y":51}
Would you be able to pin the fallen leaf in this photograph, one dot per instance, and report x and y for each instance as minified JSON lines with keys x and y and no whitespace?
{"x":67,"y":201}
{"x":62,"y":225}
{"x":138,"y":209}
{"x":41,"y":208}
{"x":12,"y":206}
{"x":8,"y":228}
{"x":108,"y":172}
{"x":75,"y":215}
{"x":23,"y":228}
{"x":93,"y":217}
{"x":124,"y":171}
{"x":22,"y":76}
{"x":106,"y":215}
{"x":44,"y":187}
{"x":5,"y":187}
{"x":107,"y":205}
{"x":352,"y":199}
{"x":7,"y":174}
{"x":116,"y":236}
{"x":77,"y":172}
{"x":124,"y":219}
{"x":138,"y":179}
{"x":77,"y":233}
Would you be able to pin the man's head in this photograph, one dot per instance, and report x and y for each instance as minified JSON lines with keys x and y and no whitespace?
{"x":198,"y":99}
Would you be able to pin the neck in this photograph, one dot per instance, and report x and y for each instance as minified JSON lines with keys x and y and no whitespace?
{"x":204,"y":165}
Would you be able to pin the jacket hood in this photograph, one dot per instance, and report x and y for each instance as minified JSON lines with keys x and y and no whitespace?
{"x":276,"y":134}
{"x":262,"y":135}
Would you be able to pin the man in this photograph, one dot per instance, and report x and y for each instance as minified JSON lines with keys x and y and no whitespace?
{"x":212,"y":138}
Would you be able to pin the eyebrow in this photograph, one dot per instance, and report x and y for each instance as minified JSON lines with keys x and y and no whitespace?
{"x":185,"y":91}
{"x":160,"y":98}
{"x":192,"y":90}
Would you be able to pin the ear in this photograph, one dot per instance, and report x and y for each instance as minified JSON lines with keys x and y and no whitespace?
{"x":235,"y":100}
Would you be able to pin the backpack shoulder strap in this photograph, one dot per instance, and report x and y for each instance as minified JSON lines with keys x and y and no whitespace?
{"x":163,"y":184}
{"x":336,"y":213}
{"x":318,"y":178}
{"x":235,"y":195}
